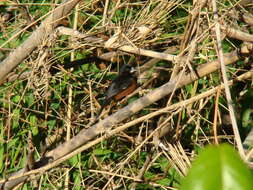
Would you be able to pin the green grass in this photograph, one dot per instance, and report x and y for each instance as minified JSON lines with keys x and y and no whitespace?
{"x":38,"y":104}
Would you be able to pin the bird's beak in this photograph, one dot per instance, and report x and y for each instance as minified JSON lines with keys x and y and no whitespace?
{"x":133,"y":70}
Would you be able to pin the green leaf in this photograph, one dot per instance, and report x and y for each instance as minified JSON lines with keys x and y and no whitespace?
{"x":15,"y":152}
{"x":246,"y":119}
{"x":144,"y":187}
{"x":163,"y":163}
{"x":29,"y":99}
{"x":1,"y":157}
{"x":99,"y":152}
{"x":16,"y":98}
{"x":149,"y":175}
{"x":55,"y":105}
{"x":189,"y":88}
{"x":15,"y":118}
{"x":165,"y":182}
{"x":219,"y":168}
{"x":74,"y":160}
{"x":77,"y":182}
{"x":34,"y":126}
{"x":51,"y":124}
{"x":247,"y":106}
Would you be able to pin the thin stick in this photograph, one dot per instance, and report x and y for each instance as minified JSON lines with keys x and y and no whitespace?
{"x":86,"y":135}
{"x":215,"y":117}
{"x":127,"y":125}
{"x":125,"y":48}
{"x":70,"y":95}
{"x":37,"y":37}
{"x":225,"y":80}
{"x":148,"y":53}
{"x":118,"y":175}
{"x":105,"y":12}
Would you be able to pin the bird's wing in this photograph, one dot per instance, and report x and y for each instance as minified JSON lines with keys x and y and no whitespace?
{"x":118,"y":84}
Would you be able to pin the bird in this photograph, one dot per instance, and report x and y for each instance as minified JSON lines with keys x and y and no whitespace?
{"x":123,"y":85}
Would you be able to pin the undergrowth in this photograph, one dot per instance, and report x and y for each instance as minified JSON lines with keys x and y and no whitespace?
{"x":34,"y":101}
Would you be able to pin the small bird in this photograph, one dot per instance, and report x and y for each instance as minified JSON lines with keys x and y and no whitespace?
{"x":124,"y":84}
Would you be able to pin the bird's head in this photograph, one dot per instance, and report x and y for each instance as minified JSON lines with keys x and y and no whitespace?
{"x":127,"y":69}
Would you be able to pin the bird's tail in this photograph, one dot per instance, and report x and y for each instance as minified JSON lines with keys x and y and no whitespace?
{"x":105,"y":103}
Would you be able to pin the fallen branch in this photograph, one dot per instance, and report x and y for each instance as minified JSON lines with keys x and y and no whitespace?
{"x":178,"y":105}
{"x":237,"y":34}
{"x":37,"y":37}
{"x":113,"y":45}
{"x":85,"y":135}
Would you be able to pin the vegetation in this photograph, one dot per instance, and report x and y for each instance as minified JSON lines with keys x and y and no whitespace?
{"x":47,"y":99}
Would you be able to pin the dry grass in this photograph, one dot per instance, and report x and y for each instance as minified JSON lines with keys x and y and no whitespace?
{"x":153,"y":148}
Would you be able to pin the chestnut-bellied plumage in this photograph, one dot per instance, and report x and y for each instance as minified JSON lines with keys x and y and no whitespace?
{"x":124,"y":84}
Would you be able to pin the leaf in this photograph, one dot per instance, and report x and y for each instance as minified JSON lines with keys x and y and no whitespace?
{"x":163,"y":163}
{"x":100,"y":152}
{"x":29,"y":99}
{"x":164,"y":182}
{"x":219,"y":168}
{"x":16,"y":98}
{"x":74,"y":160}
{"x":34,"y":126}
{"x":15,"y":118}
{"x":77,"y":182}
{"x":1,"y":157}
{"x":247,"y":106}
{"x":149,"y":175}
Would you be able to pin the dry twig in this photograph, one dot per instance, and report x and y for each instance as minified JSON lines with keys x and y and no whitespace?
{"x":225,"y":80}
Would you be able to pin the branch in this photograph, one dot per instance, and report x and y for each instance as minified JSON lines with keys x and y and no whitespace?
{"x":237,"y":34}
{"x":87,"y":134}
{"x":46,"y":28}
{"x":225,"y":81}
{"x":55,"y":163}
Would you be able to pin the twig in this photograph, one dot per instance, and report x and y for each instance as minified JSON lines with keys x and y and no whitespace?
{"x":70,"y":96}
{"x":215,"y":117}
{"x":237,"y":34}
{"x":71,"y":147}
{"x":178,"y":158}
{"x":225,"y":80}
{"x":148,"y":53}
{"x":123,"y":127}
{"x":47,"y":26}
{"x":125,"y":48}
{"x":105,"y":12}
{"x":142,"y":171}
{"x":118,"y":175}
